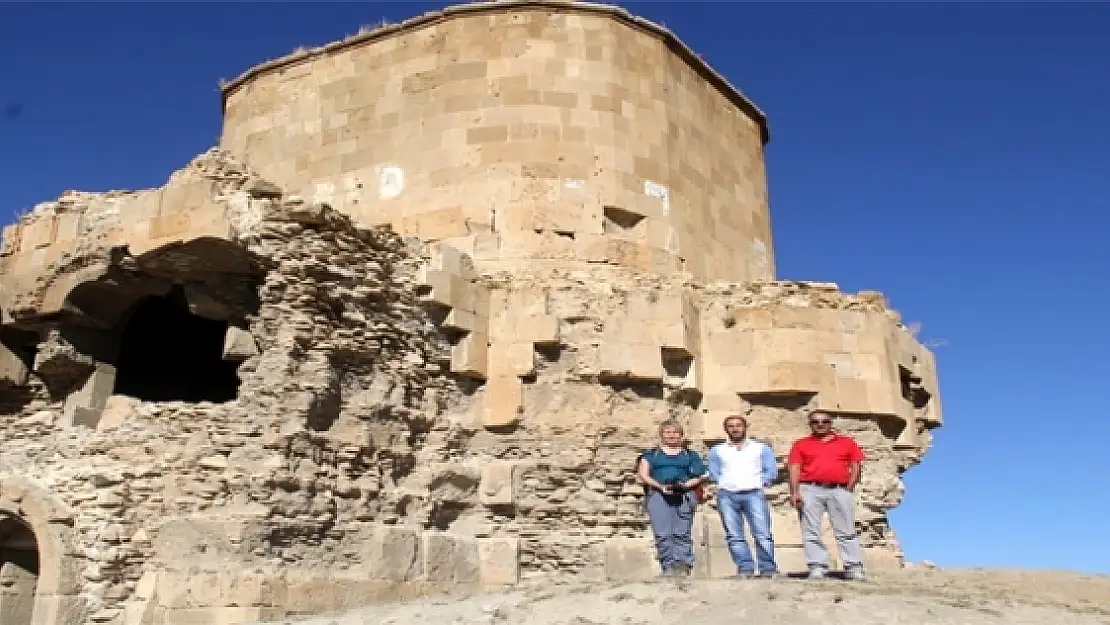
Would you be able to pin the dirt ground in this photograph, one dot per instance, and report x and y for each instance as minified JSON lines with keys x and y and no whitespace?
{"x":912,"y":596}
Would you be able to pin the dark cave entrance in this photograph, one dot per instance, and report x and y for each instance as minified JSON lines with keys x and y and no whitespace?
{"x":19,"y":571}
{"x":167,"y":353}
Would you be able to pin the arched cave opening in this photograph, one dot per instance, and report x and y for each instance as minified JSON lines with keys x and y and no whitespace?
{"x":19,"y":571}
{"x":167,"y":353}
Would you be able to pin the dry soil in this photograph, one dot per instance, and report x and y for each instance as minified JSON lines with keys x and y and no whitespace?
{"x":916,"y":596}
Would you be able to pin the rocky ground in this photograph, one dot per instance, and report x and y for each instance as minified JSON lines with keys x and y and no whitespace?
{"x":913,"y":596}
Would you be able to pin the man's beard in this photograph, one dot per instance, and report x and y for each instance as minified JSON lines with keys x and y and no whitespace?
{"x":737,"y":439}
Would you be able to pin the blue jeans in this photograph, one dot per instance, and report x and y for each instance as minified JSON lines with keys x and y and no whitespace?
{"x":672,"y":522}
{"x":736,"y":507}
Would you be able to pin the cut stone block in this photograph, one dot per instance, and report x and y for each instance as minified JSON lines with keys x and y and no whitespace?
{"x":630,"y":559}
{"x":499,"y":561}
{"x":84,"y":406}
{"x":512,"y":359}
{"x":470,"y":356}
{"x":637,"y":362}
{"x":395,"y":554}
{"x":496,"y":487}
{"x":239,"y":345}
{"x":503,"y":401}
{"x":438,"y":552}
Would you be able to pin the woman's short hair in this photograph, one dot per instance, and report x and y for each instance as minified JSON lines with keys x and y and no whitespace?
{"x":671,"y":424}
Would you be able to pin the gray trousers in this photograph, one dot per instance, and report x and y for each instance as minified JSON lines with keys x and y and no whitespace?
{"x":839,"y":503}
{"x":672,"y":520}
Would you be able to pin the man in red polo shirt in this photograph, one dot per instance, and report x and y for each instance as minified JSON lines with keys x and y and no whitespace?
{"x":824,"y":470}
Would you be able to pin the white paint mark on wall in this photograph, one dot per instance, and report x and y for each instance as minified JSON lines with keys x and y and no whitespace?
{"x":324,"y":193}
{"x":654,"y":189}
{"x":391,"y":181}
{"x":574,"y":183}
{"x":760,"y":264}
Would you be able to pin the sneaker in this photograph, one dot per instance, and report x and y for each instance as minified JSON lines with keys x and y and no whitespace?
{"x":816,"y":573}
{"x":855,"y":574}
{"x":683,"y":570}
{"x":745,"y":574}
{"x":767,"y":575}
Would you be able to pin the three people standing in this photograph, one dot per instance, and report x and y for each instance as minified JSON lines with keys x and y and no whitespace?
{"x":824,"y":469}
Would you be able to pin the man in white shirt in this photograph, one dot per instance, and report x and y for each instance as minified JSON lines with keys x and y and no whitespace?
{"x":742,"y":467}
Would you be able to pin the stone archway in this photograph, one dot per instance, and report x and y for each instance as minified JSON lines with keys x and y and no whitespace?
{"x":19,"y":571}
{"x":39,"y":581}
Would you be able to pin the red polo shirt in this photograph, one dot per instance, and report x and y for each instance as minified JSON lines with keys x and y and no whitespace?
{"x":825,"y":460}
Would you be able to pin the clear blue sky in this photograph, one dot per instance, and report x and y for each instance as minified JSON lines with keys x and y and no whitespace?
{"x":953,"y":156}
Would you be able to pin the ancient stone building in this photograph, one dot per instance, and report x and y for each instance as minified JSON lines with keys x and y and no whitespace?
{"x":407,"y":327}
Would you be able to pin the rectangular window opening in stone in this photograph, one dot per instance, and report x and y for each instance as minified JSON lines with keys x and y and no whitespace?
{"x":676,"y":364}
{"x":622,"y":222}
{"x":912,"y":390}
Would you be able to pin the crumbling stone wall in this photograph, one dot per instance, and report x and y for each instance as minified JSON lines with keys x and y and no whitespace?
{"x":404,"y":422}
{"x":401,"y":416}
{"x":595,"y":358}
{"x":342,"y":424}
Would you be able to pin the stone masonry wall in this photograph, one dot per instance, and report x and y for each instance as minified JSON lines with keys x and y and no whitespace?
{"x":586,"y":132}
{"x":405,"y":423}
{"x":362,"y":417}
{"x":583,"y":365}
{"x":340,"y":438}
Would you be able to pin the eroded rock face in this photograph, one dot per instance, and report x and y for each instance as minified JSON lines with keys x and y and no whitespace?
{"x":234,"y":401}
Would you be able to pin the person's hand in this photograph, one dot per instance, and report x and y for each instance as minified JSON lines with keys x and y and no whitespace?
{"x":796,"y":500}
{"x":663,"y":488}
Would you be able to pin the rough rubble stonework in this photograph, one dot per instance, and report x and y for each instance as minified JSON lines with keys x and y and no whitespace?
{"x":406,"y":329}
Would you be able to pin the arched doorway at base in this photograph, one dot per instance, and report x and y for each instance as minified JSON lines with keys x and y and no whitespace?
{"x":41,"y":564}
{"x":19,"y":571}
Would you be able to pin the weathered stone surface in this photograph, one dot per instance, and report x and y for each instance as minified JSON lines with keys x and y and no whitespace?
{"x":239,"y":345}
{"x":237,"y":397}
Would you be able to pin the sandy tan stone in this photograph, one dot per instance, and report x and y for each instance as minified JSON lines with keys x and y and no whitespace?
{"x":416,"y":346}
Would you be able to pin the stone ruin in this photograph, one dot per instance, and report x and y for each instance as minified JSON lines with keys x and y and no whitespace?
{"x":407,"y":327}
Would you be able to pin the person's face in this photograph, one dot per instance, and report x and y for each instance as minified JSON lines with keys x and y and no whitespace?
{"x":820,"y":424}
{"x":735,"y":428}
{"x":672,"y":437}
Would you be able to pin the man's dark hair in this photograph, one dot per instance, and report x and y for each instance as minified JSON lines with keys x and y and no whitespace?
{"x":819,"y":411}
{"x":741,"y":418}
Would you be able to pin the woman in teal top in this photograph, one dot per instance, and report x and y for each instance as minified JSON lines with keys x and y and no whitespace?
{"x":670,"y":472}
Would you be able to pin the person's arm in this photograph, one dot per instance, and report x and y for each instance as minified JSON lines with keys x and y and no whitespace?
{"x":853,"y":474}
{"x":697,"y":468}
{"x":794,"y":470}
{"x":644,"y":473}
{"x":770,"y":465}
{"x":855,"y":466}
{"x":714,"y":465}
